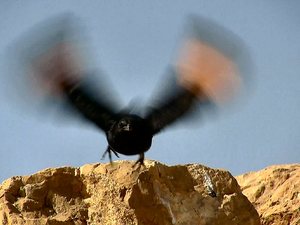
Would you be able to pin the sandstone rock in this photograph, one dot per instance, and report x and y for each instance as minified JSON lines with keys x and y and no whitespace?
{"x":275,"y":193}
{"x":104,"y":194}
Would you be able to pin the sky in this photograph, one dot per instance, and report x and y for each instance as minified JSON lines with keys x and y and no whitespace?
{"x":134,"y":42}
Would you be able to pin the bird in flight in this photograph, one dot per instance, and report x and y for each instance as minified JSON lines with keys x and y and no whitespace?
{"x":207,"y":72}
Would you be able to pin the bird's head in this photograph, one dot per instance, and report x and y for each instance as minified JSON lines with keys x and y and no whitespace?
{"x":124,"y":125}
{"x":129,"y":123}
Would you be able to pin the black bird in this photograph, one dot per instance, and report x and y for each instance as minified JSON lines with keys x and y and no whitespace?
{"x":207,"y":71}
{"x":126,"y":133}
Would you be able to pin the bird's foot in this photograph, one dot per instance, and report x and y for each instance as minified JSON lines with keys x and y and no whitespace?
{"x":139,"y":162}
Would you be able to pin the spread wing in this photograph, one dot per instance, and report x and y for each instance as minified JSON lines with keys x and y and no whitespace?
{"x":208,"y":70}
{"x":54,"y":67}
{"x":171,"y":110}
{"x":170,"y":106}
{"x":178,"y":103}
{"x":91,"y":108}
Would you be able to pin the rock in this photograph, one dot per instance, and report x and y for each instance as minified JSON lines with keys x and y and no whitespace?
{"x":104,"y":194}
{"x":275,"y":193}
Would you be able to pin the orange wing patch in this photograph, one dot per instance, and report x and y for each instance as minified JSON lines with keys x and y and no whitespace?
{"x":203,"y":67}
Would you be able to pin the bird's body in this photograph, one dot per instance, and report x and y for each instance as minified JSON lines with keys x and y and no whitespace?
{"x":130,"y":135}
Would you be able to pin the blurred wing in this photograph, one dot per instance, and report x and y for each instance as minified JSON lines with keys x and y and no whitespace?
{"x":208,"y":69}
{"x":213,"y":60}
{"x":95,"y":110}
{"x":51,"y":67}
{"x":170,"y":110}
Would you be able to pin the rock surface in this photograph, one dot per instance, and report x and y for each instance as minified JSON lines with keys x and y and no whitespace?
{"x":275,"y":193}
{"x":104,"y":194}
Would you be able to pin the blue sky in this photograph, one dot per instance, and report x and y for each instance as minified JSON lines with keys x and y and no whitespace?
{"x":134,"y":42}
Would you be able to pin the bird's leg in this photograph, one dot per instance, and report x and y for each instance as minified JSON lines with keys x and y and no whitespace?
{"x":109,"y":150}
{"x":106,"y":151}
{"x":140,"y":161}
{"x":116,"y":154}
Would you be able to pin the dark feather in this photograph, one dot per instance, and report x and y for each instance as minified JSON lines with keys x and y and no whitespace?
{"x":96,"y":111}
{"x":171,"y":109}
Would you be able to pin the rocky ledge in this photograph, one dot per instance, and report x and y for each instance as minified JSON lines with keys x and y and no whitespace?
{"x":104,"y":194}
{"x":275,"y":193}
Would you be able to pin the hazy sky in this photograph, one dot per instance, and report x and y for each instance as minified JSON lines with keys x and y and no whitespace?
{"x":134,"y":41}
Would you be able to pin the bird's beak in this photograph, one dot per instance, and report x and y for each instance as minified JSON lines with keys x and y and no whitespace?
{"x":127,"y":127}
